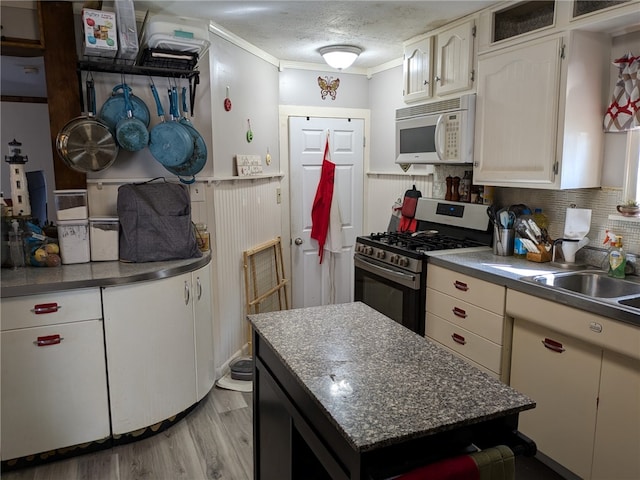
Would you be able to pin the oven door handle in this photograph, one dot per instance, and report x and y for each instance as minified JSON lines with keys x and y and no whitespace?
{"x":408,"y":279}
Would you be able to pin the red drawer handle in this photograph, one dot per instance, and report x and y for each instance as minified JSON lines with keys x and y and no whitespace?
{"x":45,"y":308}
{"x":458,"y":312}
{"x":48,"y":340}
{"x":553,"y":345}
{"x":461,"y":285}
{"x":458,"y":339}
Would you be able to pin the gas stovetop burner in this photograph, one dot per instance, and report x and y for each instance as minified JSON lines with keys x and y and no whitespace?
{"x":420,"y":242}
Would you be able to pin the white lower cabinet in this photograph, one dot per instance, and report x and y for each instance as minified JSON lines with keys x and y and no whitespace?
{"x":203,"y":325}
{"x":54,"y":385}
{"x":583,"y":372}
{"x":151,"y":353}
{"x":561,"y":375}
{"x":617,"y":445}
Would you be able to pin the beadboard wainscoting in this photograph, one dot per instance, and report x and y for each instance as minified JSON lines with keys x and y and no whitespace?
{"x":240,"y":214}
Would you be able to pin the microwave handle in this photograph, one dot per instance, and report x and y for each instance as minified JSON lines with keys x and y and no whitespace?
{"x":439,"y":139}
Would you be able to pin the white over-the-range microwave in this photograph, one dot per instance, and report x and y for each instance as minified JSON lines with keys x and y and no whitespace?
{"x":437,"y":132}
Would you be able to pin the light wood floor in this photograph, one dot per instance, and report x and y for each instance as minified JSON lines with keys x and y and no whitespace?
{"x":213,"y":442}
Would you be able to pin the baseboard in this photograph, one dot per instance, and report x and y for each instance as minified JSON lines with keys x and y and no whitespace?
{"x":224,"y":368}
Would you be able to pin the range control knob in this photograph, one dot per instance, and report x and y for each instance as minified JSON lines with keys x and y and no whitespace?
{"x":394,"y":258}
{"x":403,"y":261}
{"x":358,"y":247}
{"x":368,"y":250}
{"x":380,"y":254}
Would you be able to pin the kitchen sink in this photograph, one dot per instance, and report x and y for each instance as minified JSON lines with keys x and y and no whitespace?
{"x":630,"y":302}
{"x":590,"y":283}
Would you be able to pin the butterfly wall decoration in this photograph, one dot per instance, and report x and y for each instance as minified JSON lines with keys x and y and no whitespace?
{"x":328,"y":86}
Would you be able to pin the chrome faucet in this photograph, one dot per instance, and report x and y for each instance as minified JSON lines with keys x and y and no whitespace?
{"x":556,"y":242}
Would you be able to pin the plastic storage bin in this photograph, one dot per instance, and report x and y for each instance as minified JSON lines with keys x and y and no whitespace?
{"x":127,"y":30}
{"x":176,"y":33}
{"x":73,"y":238}
{"x":71,"y":204}
{"x":103,"y":234}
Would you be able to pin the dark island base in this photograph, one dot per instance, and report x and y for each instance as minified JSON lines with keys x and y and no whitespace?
{"x":294,"y":439}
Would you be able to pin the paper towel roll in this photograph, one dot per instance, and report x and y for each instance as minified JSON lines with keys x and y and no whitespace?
{"x":577,"y":223}
{"x":569,"y":249}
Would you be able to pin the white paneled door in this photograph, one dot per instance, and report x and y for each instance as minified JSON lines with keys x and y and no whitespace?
{"x":332,"y":281}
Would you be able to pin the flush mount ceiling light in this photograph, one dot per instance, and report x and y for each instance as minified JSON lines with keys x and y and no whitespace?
{"x":340,"y":56}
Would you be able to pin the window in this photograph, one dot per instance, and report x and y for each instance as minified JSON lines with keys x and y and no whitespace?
{"x":631,"y":186}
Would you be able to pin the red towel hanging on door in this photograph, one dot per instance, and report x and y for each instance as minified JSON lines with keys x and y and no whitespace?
{"x":321,"y":210}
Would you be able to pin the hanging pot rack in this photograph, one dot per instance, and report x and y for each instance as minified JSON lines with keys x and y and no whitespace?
{"x":193,"y":76}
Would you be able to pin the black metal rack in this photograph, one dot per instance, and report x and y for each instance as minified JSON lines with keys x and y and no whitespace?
{"x":114,"y":66}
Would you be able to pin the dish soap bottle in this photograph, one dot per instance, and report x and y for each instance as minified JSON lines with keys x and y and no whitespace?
{"x":617,"y":257}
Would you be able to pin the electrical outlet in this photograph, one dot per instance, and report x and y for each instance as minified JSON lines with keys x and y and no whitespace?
{"x":197,"y":192}
{"x":278,"y":195}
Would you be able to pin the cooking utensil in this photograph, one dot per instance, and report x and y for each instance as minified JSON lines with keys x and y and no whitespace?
{"x":114,"y":109}
{"x":131,"y":133}
{"x":199,"y":157}
{"x":169,"y":142}
{"x":506,"y":218}
{"x":227,"y":102}
{"x":85,"y":143}
{"x":491,"y":212}
{"x":249,"y":132}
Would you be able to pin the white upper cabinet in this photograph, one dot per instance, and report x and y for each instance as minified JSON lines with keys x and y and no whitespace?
{"x":454,"y":61}
{"x":439,"y":64}
{"x":508,"y":23}
{"x":417,"y":70}
{"x":539,"y":112}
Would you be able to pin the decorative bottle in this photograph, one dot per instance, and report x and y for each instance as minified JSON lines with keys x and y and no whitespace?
{"x":465,"y":186}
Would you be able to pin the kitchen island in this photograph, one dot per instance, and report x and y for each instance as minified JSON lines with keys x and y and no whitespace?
{"x":345,"y":392}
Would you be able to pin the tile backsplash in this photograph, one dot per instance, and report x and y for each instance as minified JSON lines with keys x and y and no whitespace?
{"x":554,"y":203}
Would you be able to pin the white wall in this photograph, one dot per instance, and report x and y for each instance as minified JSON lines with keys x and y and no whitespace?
{"x":300,"y":87}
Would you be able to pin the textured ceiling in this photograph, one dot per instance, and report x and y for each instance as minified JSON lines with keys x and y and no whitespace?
{"x":290,"y":31}
{"x":295,"y":30}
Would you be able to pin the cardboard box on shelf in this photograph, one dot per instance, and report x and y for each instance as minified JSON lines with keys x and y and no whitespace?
{"x":100,"y":33}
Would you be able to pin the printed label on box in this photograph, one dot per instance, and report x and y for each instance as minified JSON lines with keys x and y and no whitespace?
{"x":100,"y":34}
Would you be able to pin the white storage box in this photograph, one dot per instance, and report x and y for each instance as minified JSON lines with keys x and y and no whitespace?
{"x":71,"y":204}
{"x":73,"y":238}
{"x":103,"y":234}
{"x":176,"y":33}
{"x":127,"y":29}
{"x":100,"y":33}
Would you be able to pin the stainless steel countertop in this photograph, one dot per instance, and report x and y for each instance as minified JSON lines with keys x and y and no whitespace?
{"x":35,"y":280}
{"x":508,"y":271}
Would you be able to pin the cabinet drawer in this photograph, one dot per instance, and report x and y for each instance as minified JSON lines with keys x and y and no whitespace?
{"x":470,"y":289}
{"x":475,"y":319}
{"x":464,"y":342}
{"x":471,"y":362}
{"x":56,"y":307}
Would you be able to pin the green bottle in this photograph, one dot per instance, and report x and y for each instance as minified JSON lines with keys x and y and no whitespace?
{"x":617,"y":258}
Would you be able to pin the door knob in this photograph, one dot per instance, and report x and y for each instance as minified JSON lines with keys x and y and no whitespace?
{"x":298,"y":241}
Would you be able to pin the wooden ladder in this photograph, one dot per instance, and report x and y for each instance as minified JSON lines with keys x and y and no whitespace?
{"x":264,"y":280}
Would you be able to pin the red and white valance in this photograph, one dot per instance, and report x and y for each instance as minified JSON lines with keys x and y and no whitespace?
{"x":624,"y":112}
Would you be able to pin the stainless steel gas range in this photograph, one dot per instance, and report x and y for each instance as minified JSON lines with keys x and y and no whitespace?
{"x":391,"y":267}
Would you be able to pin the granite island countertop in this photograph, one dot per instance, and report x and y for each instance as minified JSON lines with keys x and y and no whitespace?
{"x":34,"y":280}
{"x":508,"y":271}
{"x":378,"y":382}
